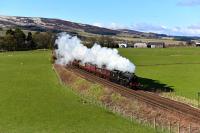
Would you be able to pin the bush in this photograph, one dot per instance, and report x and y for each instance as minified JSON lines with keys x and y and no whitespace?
{"x":17,"y":40}
{"x":104,"y":41}
{"x":43,"y":40}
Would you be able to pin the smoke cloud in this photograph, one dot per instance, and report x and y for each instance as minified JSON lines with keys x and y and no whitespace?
{"x":71,"y":48}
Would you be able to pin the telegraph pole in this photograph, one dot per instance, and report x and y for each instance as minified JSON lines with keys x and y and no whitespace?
{"x":198,"y":99}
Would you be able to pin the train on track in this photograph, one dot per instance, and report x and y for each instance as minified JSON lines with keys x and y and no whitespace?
{"x":126,"y":79}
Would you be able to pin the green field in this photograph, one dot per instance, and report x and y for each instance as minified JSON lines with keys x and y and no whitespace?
{"x":33,"y":101}
{"x":178,"y":68}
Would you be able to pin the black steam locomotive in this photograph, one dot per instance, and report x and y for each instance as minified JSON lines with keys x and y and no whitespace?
{"x":126,"y":79}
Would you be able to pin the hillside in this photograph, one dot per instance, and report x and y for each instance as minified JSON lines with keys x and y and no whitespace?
{"x":84,"y":31}
{"x":58,"y":25}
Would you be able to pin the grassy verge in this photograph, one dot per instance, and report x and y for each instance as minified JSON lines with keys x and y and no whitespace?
{"x":128,"y":107}
{"x":32,"y":100}
{"x":178,"y":68}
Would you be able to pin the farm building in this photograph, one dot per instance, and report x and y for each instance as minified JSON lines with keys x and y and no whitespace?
{"x":122,"y":45}
{"x":131,"y":45}
{"x":197,"y":44}
{"x":140,"y":45}
{"x":155,"y":44}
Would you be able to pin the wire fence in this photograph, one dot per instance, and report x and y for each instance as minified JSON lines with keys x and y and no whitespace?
{"x":166,"y":126}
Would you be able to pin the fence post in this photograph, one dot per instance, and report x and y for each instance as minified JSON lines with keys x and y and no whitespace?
{"x":198,"y":99}
{"x":132,"y":116}
{"x":178,"y":127}
{"x":170,"y":128}
{"x":154,"y":123}
{"x":139,"y":119}
{"x":190,"y":128}
{"x":146,"y":121}
{"x":162,"y":126}
{"x":115,"y":109}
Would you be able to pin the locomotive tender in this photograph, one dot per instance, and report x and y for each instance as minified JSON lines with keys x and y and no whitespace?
{"x":126,"y":79}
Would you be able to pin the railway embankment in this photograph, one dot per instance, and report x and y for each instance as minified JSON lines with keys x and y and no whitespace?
{"x":97,"y":91}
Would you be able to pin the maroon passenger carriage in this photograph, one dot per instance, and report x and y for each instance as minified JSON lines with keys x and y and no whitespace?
{"x":126,"y":79}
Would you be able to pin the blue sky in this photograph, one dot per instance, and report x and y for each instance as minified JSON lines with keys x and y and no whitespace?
{"x":175,"y":17}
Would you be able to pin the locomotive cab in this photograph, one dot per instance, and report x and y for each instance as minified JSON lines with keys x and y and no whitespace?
{"x":135,"y":84}
{"x":127,"y":78}
{"x":114,"y":76}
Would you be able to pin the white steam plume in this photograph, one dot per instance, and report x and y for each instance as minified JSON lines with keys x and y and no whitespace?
{"x":70,"y":48}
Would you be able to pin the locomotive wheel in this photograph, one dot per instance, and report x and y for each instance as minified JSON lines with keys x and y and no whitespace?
{"x":128,"y":86}
{"x":121,"y":82}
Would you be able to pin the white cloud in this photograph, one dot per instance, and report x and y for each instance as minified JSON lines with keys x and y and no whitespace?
{"x":98,"y":24}
{"x":109,"y":26}
{"x":116,"y":26}
{"x":189,"y":3}
{"x":149,"y":27}
{"x":191,"y":30}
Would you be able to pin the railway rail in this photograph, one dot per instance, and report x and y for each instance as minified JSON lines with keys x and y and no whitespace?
{"x":147,"y":97}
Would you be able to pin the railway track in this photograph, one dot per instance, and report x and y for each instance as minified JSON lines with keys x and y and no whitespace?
{"x":147,"y":97}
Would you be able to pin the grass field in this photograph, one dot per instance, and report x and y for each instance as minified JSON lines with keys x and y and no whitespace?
{"x":178,"y":68}
{"x":33,"y":101}
{"x":168,"y":42}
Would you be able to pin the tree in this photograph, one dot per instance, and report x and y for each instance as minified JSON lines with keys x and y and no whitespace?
{"x":101,"y":41}
{"x":2,"y":44}
{"x":10,"y":42}
{"x":106,"y":41}
{"x":17,"y":40}
{"x":43,"y":40}
{"x":50,"y":39}
{"x":110,"y":42}
{"x":20,"y":39}
{"x":29,"y":41}
{"x":10,"y":32}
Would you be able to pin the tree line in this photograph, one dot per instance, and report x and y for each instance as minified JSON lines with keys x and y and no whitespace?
{"x":17,"y":40}
{"x":104,"y":41}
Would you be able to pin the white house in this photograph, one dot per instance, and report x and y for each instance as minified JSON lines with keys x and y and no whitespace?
{"x":140,"y":45}
{"x":197,"y":44}
{"x":122,"y":45}
{"x":155,"y":44}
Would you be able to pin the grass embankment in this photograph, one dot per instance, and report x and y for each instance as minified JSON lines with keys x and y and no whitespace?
{"x":128,"y":107}
{"x":178,"y":68}
{"x":32,"y":100}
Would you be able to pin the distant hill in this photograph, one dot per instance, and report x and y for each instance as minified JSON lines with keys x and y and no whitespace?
{"x":58,"y":25}
{"x":55,"y":25}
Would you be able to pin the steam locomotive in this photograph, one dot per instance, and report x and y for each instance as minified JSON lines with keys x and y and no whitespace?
{"x":126,"y":79}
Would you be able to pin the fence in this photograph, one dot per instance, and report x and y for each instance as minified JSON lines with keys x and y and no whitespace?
{"x":160,"y":126}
